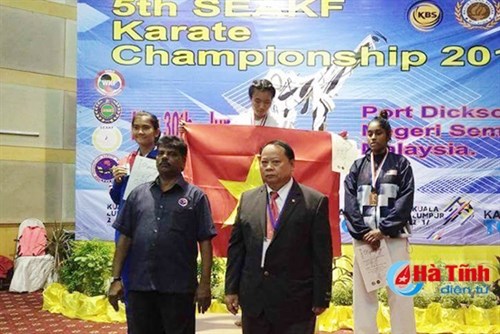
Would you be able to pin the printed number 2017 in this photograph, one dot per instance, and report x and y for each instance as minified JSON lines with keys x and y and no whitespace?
{"x":476,"y":56}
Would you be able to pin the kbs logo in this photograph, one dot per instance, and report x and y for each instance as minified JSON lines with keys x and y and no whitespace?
{"x":425,"y":15}
{"x":477,"y":14}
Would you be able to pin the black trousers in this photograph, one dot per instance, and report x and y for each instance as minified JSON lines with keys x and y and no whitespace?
{"x":157,"y":313}
{"x":261,"y":325}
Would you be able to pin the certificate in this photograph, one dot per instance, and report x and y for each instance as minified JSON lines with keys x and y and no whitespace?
{"x":373,"y":264}
{"x":344,"y":153}
{"x":144,"y":171}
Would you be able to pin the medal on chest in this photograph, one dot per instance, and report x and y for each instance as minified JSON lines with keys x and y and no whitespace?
{"x":373,"y":198}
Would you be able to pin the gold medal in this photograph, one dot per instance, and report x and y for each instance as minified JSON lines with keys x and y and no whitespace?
{"x":373,"y":198}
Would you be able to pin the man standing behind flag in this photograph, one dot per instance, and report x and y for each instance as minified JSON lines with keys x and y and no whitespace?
{"x":261,"y":93}
{"x":279,"y":264}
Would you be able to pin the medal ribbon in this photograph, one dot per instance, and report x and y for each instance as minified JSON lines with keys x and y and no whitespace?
{"x":376,"y":173}
{"x":262,"y":121}
{"x":273,"y":214}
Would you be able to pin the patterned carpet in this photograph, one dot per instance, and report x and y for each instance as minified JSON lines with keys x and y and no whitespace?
{"x":22,"y":314}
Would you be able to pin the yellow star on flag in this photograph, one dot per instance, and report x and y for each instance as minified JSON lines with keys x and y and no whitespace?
{"x":236,"y":188}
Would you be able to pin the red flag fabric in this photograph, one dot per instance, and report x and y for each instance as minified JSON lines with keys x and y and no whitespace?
{"x":222,"y":162}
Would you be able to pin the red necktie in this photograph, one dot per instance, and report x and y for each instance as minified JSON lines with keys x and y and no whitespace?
{"x":275,"y":211}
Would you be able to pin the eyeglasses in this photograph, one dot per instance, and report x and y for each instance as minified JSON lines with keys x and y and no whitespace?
{"x":263,"y":83}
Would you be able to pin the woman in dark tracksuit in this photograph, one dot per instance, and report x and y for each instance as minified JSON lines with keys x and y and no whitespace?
{"x":379,"y":193}
{"x":146,"y":132}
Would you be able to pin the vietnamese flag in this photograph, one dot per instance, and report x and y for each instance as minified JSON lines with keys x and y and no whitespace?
{"x":222,"y":161}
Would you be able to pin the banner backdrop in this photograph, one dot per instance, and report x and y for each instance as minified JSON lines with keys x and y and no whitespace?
{"x":335,"y":63}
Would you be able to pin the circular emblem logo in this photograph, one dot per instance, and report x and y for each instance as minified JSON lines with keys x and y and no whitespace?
{"x":101,"y":167}
{"x":107,"y":138}
{"x":109,"y":82}
{"x":477,"y":14}
{"x":183,"y":201}
{"x":107,"y":110}
{"x":399,"y":280}
{"x":425,"y":15}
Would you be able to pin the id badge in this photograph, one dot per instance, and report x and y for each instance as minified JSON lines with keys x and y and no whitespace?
{"x":373,"y":199}
{"x":265,"y":246}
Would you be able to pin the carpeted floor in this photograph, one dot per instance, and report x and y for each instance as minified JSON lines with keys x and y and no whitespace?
{"x":22,"y":314}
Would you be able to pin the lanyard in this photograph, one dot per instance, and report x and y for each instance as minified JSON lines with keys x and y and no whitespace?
{"x":262,"y":122}
{"x":274,"y":220}
{"x":376,"y":173}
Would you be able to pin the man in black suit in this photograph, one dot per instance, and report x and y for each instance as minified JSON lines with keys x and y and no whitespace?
{"x":279,"y":263}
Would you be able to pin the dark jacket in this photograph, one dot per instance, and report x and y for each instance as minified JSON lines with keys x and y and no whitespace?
{"x":395,"y":188}
{"x":297,"y":273}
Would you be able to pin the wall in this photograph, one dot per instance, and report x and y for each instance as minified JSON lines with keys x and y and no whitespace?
{"x":38,"y":101}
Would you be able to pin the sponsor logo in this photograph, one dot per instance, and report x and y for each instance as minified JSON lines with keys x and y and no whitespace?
{"x":459,"y":211}
{"x":425,"y":15}
{"x":491,"y":220}
{"x":101,"y":167}
{"x":107,"y":110}
{"x":441,"y":220}
{"x":477,"y":14}
{"x":107,"y":138}
{"x":109,"y":82}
